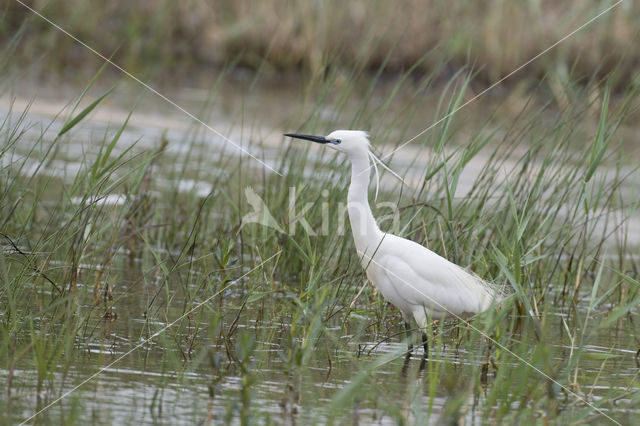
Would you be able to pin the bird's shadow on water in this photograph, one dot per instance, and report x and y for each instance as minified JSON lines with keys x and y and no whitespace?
{"x":407,"y":362}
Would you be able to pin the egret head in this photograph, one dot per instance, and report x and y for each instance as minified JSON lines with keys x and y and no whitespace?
{"x":354,"y":143}
{"x":351,"y":142}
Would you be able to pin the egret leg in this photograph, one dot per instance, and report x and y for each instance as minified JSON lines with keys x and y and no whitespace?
{"x":405,"y":365}
{"x":407,"y":328}
{"x":423,"y":363}
{"x":425,"y":345}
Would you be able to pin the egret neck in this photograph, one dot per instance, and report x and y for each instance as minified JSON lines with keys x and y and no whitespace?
{"x":366,"y":234}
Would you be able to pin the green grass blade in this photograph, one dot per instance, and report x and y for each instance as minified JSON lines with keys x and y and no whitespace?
{"x":75,"y":120}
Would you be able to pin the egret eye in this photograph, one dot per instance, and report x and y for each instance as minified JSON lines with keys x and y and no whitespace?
{"x":337,"y":141}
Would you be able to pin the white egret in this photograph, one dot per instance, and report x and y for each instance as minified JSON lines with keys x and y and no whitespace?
{"x":417,"y":281}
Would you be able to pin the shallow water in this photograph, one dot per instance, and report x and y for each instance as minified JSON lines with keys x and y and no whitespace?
{"x":124,"y":379}
{"x":154,"y":120}
{"x":145,"y":387}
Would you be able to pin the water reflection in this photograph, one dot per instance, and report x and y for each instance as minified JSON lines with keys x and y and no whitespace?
{"x":162,"y":381}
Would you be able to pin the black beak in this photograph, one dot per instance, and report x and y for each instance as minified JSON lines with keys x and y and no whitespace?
{"x":317,"y":139}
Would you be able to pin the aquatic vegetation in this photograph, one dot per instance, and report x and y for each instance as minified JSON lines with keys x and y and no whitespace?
{"x":136,"y":285}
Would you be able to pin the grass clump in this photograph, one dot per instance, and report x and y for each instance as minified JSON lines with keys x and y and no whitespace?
{"x":135,"y":257}
{"x":278,"y":35}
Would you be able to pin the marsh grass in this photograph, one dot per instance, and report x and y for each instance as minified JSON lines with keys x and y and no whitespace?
{"x":72,"y":260}
{"x":277,"y":35}
{"x":267,"y":324}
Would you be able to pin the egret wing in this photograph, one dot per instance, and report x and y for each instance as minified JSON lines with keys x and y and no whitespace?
{"x":422,"y":277}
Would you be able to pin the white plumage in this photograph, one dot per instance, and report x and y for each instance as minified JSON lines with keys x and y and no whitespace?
{"x":418,"y":281}
{"x":414,"y":279}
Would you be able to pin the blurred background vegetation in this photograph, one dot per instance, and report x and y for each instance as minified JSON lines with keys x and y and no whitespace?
{"x":277,"y":36}
{"x":122,"y":232}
